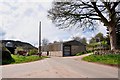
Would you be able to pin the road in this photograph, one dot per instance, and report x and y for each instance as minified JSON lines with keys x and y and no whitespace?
{"x":59,"y":67}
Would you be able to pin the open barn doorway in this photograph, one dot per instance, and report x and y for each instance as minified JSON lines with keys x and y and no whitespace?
{"x":67,"y":50}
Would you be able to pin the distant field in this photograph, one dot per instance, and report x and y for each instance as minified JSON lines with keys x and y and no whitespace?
{"x":109,"y":59}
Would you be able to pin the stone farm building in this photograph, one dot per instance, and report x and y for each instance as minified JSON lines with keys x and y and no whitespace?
{"x":67,"y":48}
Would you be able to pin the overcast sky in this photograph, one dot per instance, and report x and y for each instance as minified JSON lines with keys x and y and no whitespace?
{"x":19,"y":20}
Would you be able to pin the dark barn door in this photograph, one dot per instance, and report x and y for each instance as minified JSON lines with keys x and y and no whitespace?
{"x":66,"y":50}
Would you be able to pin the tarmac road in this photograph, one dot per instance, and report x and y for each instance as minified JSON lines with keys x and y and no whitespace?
{"x":59,"y":67}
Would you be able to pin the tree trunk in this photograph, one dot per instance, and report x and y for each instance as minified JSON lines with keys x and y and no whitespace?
{"x":112,"y":34}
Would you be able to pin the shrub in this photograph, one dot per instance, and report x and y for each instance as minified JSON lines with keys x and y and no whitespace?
{"x":89,"y":51}
{"x":4,"y":48}
{"x":6,"y":58}
{"x":33,"y":52}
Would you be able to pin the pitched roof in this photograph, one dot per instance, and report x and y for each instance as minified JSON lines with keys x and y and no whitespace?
{"x":73,"y":42}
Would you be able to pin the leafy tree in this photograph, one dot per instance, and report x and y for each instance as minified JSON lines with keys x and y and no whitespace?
{"x":86,"y":14}
{"x":82,"y":40}
{"x":100,"y":37}
{"x":92,"y":40}
{"x":104,"y":41}
{"x":33,"y":52}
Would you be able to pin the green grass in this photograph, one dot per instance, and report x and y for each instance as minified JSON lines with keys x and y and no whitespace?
{"x":110,"y":59}
{"x":23,"y":59}
{"x":81,"y":53}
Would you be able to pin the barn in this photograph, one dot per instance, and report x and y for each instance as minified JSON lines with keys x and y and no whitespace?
{"x":67,"y":48}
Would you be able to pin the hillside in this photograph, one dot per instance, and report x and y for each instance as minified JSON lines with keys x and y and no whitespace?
{"x":24,"y":45}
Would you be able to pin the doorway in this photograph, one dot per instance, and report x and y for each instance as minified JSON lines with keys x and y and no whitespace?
{"x":67,"y":50}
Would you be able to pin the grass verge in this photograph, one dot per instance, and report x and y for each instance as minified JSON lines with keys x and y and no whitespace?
{"x":81,"y":53}
{"x":23,"y":59}
{"x":109,"y":59}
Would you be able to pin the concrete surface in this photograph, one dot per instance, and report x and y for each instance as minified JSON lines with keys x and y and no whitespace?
{"x":59,"y":67}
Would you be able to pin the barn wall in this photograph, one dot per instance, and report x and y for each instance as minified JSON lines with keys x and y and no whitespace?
{"x":55,"y":47}
{"x":77,"y":49}
{"x":52,"y":47}
{"x":56,"y":53}
{"x":44,"y":53}
{"x":45,"y":48}
{"x":54,"y":50}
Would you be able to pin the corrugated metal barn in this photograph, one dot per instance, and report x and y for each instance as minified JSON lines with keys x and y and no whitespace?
{"x":67,"y":48}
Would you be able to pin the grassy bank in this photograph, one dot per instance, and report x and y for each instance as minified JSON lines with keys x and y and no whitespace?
{"x":109,"y":59}
{"x":23,"y":59}
{"x":81,"y":53}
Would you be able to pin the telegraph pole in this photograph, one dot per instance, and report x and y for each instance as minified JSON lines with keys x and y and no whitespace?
{"x":39,"y":43}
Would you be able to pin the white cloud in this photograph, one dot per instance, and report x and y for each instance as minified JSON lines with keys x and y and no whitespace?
{"x":23,"y":22}
{"x":20,"y":20}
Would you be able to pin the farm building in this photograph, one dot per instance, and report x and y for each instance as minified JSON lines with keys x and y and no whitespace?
{"x":67,"y":48}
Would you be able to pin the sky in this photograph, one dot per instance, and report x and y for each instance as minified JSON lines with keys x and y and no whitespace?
{"x":19,"y":20}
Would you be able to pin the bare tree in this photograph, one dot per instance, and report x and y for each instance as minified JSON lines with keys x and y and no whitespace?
{"x":86,"y":14}
{"x":77,"y":38}
{"x":45,"y":42}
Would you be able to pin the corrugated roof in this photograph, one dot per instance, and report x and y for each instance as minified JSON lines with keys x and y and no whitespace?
{"x":73,"y":42}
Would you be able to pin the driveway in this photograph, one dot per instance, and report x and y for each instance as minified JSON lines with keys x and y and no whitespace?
{"x":59,"y":67}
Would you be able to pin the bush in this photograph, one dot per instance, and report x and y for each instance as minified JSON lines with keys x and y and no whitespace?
{"x":7,"y":58}
{"x":33,"y":52}
{"x":89,"y":51}
{"x":4,"y":48}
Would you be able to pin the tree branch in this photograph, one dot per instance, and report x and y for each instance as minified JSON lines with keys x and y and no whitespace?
{"x":100,"y":14}
{"x":115,"y":5}
{"x":88,"y":5}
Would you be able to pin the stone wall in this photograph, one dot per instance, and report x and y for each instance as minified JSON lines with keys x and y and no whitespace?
{"x":52,"y":47}
{"x":53,"y":53}
{"x":56,"y":53}
{"x":103,"y":52}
